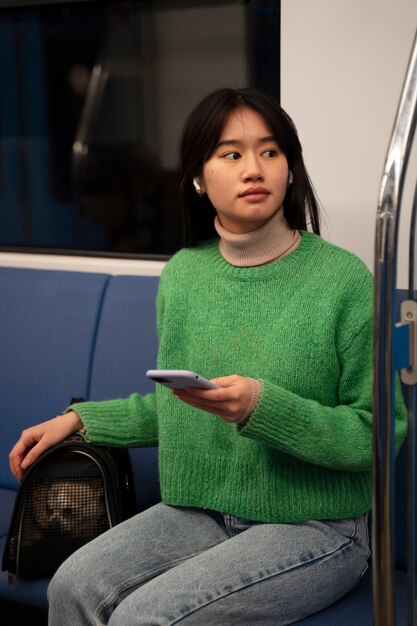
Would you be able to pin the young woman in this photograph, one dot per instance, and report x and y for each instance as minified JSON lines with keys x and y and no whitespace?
{"x":266,"y":481}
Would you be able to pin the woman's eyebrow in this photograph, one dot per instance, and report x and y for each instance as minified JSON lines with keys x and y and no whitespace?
{"x":238,"y":143}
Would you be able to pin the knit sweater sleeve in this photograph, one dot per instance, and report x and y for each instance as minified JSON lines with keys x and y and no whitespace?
{"x":123,"y":422}
{"x":337,"y":437}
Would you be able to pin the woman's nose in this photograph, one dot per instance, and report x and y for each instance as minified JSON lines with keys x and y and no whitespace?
{"x":252,"y":169}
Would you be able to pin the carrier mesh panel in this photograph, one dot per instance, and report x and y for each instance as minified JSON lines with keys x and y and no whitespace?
{"x":65,"y":507}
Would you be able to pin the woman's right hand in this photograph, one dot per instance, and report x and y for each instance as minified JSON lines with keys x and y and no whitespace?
{"x":35,"y":440}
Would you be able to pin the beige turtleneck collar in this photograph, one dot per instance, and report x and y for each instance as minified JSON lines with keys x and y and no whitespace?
{"x":266,"y":244}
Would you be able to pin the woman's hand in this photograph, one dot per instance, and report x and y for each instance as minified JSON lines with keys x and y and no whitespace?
{"x":231,"y":402}
{"x":35,"y":440}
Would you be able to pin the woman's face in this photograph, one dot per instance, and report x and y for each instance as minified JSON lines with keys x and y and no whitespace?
{"x":246,"y":176}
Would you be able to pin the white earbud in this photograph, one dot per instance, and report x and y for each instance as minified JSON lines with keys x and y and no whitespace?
{"x":290,"y":178}
{"x":197,"y":186}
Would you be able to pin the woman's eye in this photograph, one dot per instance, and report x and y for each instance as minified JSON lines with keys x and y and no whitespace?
{"x":270,"y":153}
{"x":232,"y":156}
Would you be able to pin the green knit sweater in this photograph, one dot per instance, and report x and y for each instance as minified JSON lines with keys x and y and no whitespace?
{"x":301,"y":325}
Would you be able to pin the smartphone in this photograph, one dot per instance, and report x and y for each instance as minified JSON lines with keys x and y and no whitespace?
{"x":180,"y":379}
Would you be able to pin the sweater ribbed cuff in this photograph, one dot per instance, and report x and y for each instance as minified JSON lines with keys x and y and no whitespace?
{"x":256,"y":394}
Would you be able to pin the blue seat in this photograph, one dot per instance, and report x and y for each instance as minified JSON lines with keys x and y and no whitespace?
{"x":46,"y":347}
{"x":65,"y":334}
{"x":126,"y":347}
{"x":48,"y":327}
{"x":355,"y":609}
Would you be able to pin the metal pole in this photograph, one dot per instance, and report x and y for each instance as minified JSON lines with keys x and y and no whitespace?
{"x":383,"y":394}
{"x":411,"y":445}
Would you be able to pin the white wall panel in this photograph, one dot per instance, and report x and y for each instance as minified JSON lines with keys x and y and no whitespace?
{"x":343,"y":65}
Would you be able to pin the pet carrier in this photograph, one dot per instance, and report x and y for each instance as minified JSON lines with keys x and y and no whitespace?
{"x":72,"y":493}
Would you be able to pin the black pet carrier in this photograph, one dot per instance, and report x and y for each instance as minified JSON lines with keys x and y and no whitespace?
{"x":72,"y":493}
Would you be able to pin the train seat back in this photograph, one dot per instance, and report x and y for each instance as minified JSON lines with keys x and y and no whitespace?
{"x":126,"y":347}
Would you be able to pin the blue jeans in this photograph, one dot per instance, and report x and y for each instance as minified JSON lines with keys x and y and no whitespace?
{"x":172,"y":565}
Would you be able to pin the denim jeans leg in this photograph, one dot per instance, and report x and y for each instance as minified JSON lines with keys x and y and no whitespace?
{"x":95,"y":579}
{"x":272,"y":574}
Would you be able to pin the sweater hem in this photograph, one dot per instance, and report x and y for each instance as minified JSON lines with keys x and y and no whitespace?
{"x":251,"y":492}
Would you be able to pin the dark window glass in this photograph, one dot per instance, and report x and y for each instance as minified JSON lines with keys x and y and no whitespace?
{"x":93,"y":96}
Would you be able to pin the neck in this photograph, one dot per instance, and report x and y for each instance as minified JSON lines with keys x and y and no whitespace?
{"x":266,"y":244}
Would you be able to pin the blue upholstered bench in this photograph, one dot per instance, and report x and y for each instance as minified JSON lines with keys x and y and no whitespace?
{"x":65,"y":334}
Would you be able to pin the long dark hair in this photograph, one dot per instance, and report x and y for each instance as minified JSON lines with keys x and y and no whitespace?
{"x":201,"y":134}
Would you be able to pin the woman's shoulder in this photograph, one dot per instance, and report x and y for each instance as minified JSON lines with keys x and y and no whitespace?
{"x":188,"y":259}
{"x":335,"y":259}
{"x":343,"y":282}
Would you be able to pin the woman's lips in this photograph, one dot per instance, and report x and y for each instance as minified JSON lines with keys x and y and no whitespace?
{"x":254,"y":193}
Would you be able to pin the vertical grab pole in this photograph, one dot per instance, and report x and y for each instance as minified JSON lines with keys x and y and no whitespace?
{"x":411,"y":439}
{"x":383,"y":392}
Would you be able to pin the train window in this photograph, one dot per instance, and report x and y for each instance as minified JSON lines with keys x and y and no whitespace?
{"x":93,"y":96}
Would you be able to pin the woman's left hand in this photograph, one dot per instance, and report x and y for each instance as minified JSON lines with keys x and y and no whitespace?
{"x":230,"y":402}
